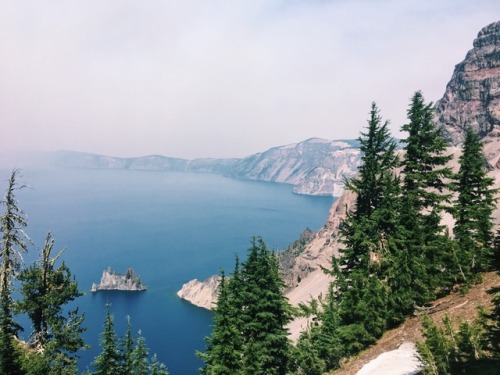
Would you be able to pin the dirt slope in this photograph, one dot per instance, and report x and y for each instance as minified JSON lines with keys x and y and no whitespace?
{"x":457,"y":306}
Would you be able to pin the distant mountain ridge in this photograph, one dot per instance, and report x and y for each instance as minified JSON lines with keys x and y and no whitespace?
{"x":472,"y":97}
{"x":314,"y":167}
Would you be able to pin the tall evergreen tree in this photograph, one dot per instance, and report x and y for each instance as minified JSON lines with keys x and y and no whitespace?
{"x":474,"y":206}
{"x":13,"y":243}
{"x":425,"y":196}
{"x":140,"y":353}
{"x":265,"y":313}
{"x":128,"y":349}
{"x":424,"y":162}
{"x":108,"y":362}
{"x":249,"y":334}
{"x":224,"y":348}
{"x":367,"y":233}
{"x":375,"y":185}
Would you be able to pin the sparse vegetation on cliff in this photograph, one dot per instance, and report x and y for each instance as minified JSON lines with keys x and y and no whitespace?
{"x":398,"y":256}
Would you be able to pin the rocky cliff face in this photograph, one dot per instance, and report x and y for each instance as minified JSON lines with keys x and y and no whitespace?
{"x":201,"y":293}
{"x":472,"y":96}
{"x":314,"y":167}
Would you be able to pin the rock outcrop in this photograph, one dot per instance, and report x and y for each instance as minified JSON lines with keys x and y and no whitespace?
{"x":304,"y":276}
{"x":472,"y":96}
{"x":201,"y":293}
{"x":110,"y":280}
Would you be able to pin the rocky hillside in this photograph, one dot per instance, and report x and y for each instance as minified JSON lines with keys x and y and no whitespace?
{"x":304,"y":274}
{"x":395,"y":350}
{"x":472,"y":96}
{"x":314,"y":167}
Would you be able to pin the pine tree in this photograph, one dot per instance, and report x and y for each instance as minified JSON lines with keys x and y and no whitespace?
{"x":307,"y":359}
{"x":128,"y":349}
{"x":375,"y":186}
{"x":424,"y":197}
{"x":424,"y":164}
{"x":435,"y":351}
{"x":367,"y":233}
{"x":496,"y":251}
{"x":223,"y":353}
{"x":402,"y":279}
{"x":326,"y":336}
{"x":45,"y":291}
{"x":13,"y":243}
{"x":140,"y":353}
{"x":493,"y":327}
{"x":474,"y":207}
{"x":249,"y":334}
{"x":108,"y":362}
{"x":156,"y":367}
{"x":265,"y":313}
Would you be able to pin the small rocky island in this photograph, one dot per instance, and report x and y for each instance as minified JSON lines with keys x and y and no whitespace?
{"x":111,"y":280}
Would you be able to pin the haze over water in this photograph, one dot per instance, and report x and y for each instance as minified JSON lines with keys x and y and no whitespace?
{"x":170,"y":228}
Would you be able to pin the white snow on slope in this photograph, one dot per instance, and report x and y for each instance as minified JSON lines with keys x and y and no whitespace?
{"x":402,"y":361}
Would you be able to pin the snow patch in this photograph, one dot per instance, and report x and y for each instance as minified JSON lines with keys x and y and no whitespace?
{"x":402,"y":361}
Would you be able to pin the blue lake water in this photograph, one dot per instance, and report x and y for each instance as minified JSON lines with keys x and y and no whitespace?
{"x":170,"y":227}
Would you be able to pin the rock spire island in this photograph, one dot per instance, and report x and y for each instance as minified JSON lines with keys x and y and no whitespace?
{"x":111,"y":280}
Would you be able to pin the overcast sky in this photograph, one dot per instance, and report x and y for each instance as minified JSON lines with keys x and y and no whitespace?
{"x":209,"y":78}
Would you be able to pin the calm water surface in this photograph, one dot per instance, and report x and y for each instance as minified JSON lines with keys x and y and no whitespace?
{"x":170,"y":227}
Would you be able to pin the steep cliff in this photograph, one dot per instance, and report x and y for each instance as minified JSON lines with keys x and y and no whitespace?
{"x":314,"y":167}
{"x":472,"y":96}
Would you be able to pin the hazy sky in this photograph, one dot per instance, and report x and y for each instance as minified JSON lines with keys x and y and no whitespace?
{"x":209,"y":78}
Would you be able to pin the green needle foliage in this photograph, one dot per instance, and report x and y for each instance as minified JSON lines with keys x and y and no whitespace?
{"x":307,"y":358}
{"x":249,"y":335}
{"x":473,"y":208}
{"x":13,"y":243}
{"x":140,"y":364}
{"x":156,"y":367}
{"x":365,"y":229}
{"x":326,"y":335}
{"x":224,"y":347}
{"x":45,"y":291}
{"x":129,"y":358}
{"x":265,"y":313}
{"x":108,"y":362}
{"x":425,"y":196}
{"x":369,"y":233}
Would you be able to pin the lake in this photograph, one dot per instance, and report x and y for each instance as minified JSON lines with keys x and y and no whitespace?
{"x":170,"y":228}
